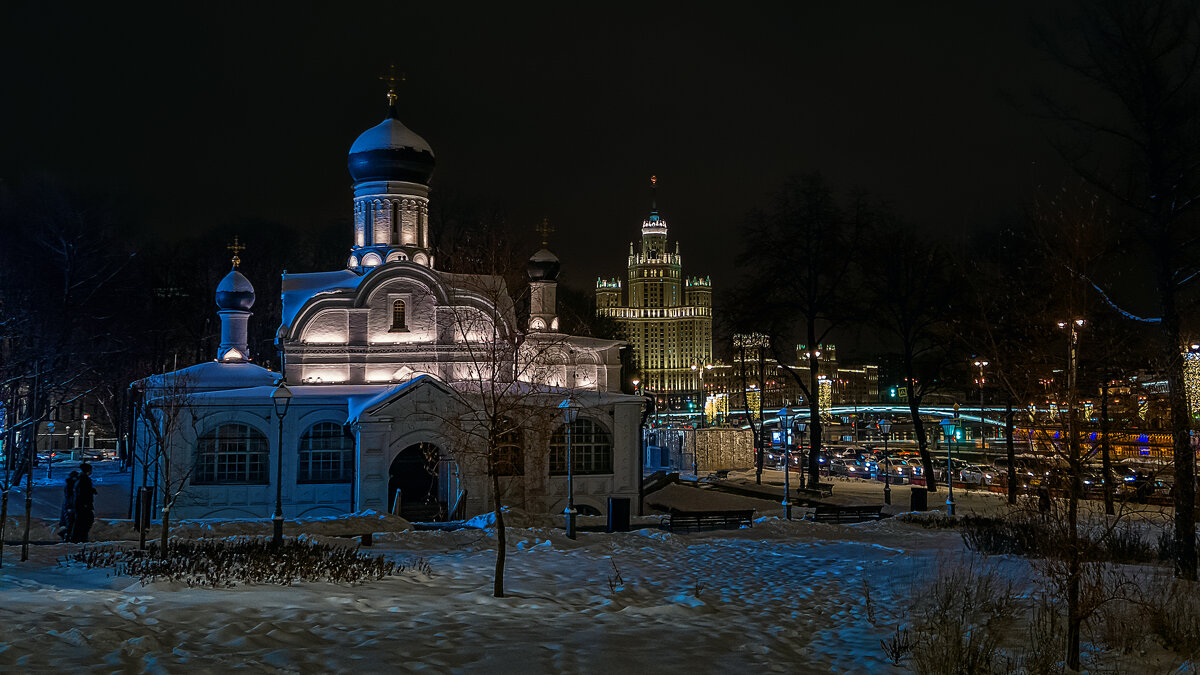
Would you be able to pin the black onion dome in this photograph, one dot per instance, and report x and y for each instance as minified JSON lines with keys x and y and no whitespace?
{"x":235,"y":292}
{"x":543,"y":266}
{"x":391,"y":151}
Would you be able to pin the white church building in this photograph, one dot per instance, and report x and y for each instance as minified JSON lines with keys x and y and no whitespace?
{"x":395,"y":375}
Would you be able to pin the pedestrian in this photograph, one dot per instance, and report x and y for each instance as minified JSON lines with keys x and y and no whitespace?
{"x":1043,"y":500}
{"x":85,"y":504}
{"x":66,"y":521}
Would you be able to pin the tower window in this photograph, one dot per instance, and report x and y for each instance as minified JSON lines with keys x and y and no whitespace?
{"x":398,"y":324}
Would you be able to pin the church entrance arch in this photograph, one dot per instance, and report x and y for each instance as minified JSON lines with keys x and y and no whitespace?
{"x":418,"y":473}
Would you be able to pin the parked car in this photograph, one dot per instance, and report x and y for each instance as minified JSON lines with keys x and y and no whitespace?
{"x":97,"y":454}
{"x":851,"y":468}
{"x":977,"y":474}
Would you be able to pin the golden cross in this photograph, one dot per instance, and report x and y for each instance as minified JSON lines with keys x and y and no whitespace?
{"x":392,"y":77}
{"x":653,"y":181}
{"x":236,"y":248}
{"x":545,"y":229}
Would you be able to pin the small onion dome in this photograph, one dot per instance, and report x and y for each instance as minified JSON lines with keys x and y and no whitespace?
{"x":543,"y":266}
{"x":235,"y":292}
{"x":391,"y":151}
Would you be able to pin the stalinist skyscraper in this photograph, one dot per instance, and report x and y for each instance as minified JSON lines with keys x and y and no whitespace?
{"x":666,"y":316}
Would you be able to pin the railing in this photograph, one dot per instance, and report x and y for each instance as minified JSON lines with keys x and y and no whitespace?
{"x":459,"y":505}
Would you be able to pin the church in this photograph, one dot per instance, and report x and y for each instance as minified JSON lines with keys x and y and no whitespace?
{"x":404,"y":388}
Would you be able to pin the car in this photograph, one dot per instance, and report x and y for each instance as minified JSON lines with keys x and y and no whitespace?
{"x":97,"y":454}
{"x":850,"y":468}
{"x":977,"y":474}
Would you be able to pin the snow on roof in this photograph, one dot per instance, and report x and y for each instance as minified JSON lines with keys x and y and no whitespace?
{"x":298,"y":289}
{"x":390,"y":133}
{"x":356,"y":405}
{"x":212,"y":376}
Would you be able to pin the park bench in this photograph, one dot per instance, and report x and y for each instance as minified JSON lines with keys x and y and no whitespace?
{"x":699,"y":520}
{"x":824,"y":513}
{"x":821,"y":490}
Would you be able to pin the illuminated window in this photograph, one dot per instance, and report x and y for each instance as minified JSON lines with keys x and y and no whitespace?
{"x":398,"y":324}
{"x":231,"y":453}
{"x":326,"y":455}
{"x":591,"y":449}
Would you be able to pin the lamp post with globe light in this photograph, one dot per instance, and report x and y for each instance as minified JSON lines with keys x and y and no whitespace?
{"x":949,"y":427}
{"x":885,"y":428}
{"x":787,"y":461}
{"x":281,"y":398}
{"x":570,"y":412}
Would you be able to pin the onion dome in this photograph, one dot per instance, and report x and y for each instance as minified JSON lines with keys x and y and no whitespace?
{"x":235,"y":292}
{"x":542,"y":266}
{"x":391,"y":151}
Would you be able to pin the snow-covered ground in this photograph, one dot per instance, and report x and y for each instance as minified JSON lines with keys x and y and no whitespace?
{"x":778,"y":597}
{"x":786,"y":597}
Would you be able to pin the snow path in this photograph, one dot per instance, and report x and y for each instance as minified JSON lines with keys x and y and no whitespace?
{"x":780,"y":597}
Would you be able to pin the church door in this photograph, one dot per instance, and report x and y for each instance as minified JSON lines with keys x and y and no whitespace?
{"x":415,"y":473}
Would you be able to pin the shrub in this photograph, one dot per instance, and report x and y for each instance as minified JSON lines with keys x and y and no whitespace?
{"x":1173,"y":611}
{"x":224,"y":563}
{"x":968,"y":611}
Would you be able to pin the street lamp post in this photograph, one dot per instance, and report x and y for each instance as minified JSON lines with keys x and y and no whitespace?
{"x":281,"y":398}
{"x":787,"y":463}
{"x":981,"y":364}
{"x":948,"y":428}
{"x":885,"y":427}
{"x":570,"y":412}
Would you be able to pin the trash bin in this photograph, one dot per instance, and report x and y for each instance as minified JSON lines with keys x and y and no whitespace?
{"x":920,"y":499}
{"x":618,"y":514}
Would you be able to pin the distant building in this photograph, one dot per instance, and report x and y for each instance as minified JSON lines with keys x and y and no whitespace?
{"x":665,"y":316}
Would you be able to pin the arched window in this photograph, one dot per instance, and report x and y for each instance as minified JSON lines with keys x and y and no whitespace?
{"x":232,"y":453}
{"x":508,"y":446}
{"x":591,"y":449}
{"x":326,"y":454}
{"x":398,"y":324}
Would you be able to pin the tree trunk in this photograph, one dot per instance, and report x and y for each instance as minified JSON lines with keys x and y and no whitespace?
{"x":914,"y":410}
{"x":1074,"y":555}
{"x":1106,"y":452}
{"x":1010,"y":450}
{"x":1184,"y":455}
{"x":166,"y":530}
{"x":3,"y":521}
{"x":498,"y":577}
{"x":28,"y":495}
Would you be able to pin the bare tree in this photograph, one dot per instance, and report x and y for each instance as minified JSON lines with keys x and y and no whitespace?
{"x":799,"y":254}
{"x":168,"y":416}
{"x":1144,"y":57}
{"x":913,"y":300}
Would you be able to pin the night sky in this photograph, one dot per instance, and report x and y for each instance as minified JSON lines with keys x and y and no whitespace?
{"x":212,"y":114}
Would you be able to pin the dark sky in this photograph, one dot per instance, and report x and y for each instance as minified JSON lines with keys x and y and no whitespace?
{"x":209,"y":114}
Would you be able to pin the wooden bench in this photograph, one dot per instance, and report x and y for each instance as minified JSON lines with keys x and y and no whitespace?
{"x":821,"y":490}
{"x":824,"y":513}
{"x":698,"y":520}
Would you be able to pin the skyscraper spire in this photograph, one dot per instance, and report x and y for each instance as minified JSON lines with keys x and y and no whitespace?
{"x":654,"y":194}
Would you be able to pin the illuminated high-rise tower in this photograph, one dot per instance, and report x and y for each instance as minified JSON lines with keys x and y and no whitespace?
{"x":665,"y":316}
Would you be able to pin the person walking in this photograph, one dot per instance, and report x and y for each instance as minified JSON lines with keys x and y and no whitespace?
{"x":85,"y":504}
{"x":66,"y":521}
